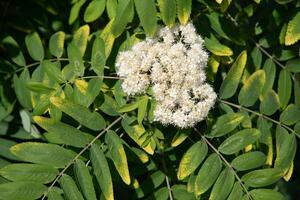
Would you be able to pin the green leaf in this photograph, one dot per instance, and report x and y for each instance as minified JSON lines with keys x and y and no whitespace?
{"x":262,"y":177}
{"x":124,"y":10}
{"x":34,"y":46}
{"x":239,"y":140}
{"x":147,"y":13}
{"x":293,"y":31}
{"x":184,"y":8}
{"x":293,"y":65}
{"x":109,"y":106}
{"x":75,"y":59}
{"x":56,"y":44}
{"x":215,"y":47}
{"x":21,"y":190}
{"x":80,"y":38}
{"x":53,"y":71}
{"x":29,"y":172}
{"x":297,"y":129}
{"x":70,"y":189}
{"x":256,"y":56}
{"x":41,"y":153}
{"x":83,"y":115}
{"x":231,"y":82}
{"x":270,"y":72}
{"x":55,"y":194}
{"x":38,"y":87}
{"x":270,"y":103}
{"x":179,"y":137}
{"x":191,"y":159}
{"x":118,"y":155}
{"x":265,"y":194}
{"x":111,"y":8}
{"x":129,"y":107}
{"x":142,"y":108}
{"x":75,"y":11}
{"x":5,"y":145}
{"x":252,"y":88}
{"x":284,"y":88}
{"x":208,"y":174}
{"x":286,"y":147}
{"x":94,"y":10}
{"x":84,"y":180}
{"x":250,"y":160}
{"x":65,"y":133}
{"x":297,"y":90}
{"x":290,"y":115}
{"x":168,"y":11}
{"x":236,"y":192}
{"x":226,"y":123}
{"x":101,"y":171}
{"x":223,"y":185}
{"x":14,"y":50}
{"x":98,"y":57}
{"x":22,"y":92}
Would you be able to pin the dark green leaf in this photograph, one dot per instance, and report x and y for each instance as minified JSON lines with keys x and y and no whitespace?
{"x":249,"y":160}
{"x":70,"y":189}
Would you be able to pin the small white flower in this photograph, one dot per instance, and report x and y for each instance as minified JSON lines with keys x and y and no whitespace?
{"x":173,"y":63}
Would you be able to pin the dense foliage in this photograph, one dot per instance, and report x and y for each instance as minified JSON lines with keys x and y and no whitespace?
{"x":68,"y":131}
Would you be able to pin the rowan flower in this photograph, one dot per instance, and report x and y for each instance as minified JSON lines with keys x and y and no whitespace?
{"x":173,"y":64}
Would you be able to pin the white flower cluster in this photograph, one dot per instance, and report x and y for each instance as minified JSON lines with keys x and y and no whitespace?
{"x":173,"y":64}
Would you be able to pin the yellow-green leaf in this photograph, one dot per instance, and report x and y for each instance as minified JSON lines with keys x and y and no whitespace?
{"x":215,"y":47}
{"x":29,"y":172}
{"x":293,"y":30}
{"x":56,"y":44}
{"x":124,"y":10}
{"x":80,"y":38}
{"x":168,"y":11}
{"x":98,"y":57}
{"x":250,"y":160}
{"x":83,"y":115}
{"x":184,"y":8}
{"x":270,"y":103}
{"x":75,"y":11}
{"x":118,"y":155}
{"x":226,"y":123}
{"x":142,"y":108}
{"x":239,"y":140}
{"x":270,"y":72}
{"x":252,"y":88}
{"x":102,"y":172}
{"x":223,"y":185}
{"x":262,"y":177}
{"x":147,"y":13}
{"x":191,"y":159}
{"x":179,"y":137}
{"x":14,"y":50}
{"x":41,"y":153}
{"x":207,"y":174}
{"x":265,"y":194}
{"x":231,"y":82}
{"x":94,"y":10}
{"x":65,"y":133}
{"x":34,"y":46}
{"x":290,"y":115}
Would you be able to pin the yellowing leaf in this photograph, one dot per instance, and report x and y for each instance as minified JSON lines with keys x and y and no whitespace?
{"x":214,"y":46}
{"x":56,"y":44}
{"x":293,"y":30}
{"x":118,"y":155}
{"x":192,"y":159}
{"x":208,"y":174}
{"x":80,"y":38}
{"x":168,"y":11}
{"x":252,"y":88}
{"x":184,"y":8}
{"x":239,"y":140}
{"x":231,"y":82}
{"x":83,"y":115}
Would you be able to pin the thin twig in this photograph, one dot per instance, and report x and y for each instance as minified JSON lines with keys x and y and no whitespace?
{"x":79,"y":154}
{"x":260,"y":115}
{"x":169,"y":188}
{"x":226,"y":162}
